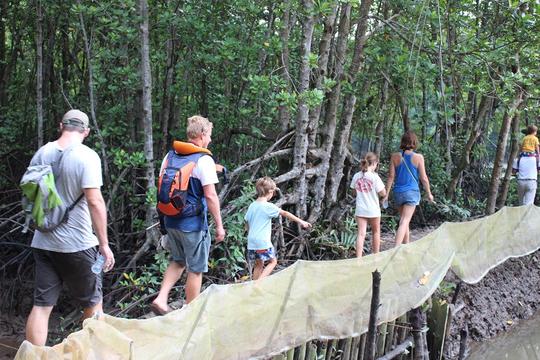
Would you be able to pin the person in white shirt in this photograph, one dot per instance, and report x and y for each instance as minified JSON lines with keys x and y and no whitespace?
{"x":527,"y":176}
{"x":368,"y":188}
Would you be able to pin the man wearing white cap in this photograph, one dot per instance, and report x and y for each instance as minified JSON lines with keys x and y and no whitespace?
{"x":65,"y":255}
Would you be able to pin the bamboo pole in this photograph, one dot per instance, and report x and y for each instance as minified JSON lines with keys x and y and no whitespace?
{"x":321,"y":354}
{"x":312,"y":351}
{"x":331,"y":349}
{"x":290,"y":354}
{"x":354,"y":348}
{"x":437,"y":320}
{"x":398,"y":350}
{"x":372,"y":327}
{"x":390,"y":337}
{"x":362,"y":349}
{"x":302,"y":352}
{"x":347,"y":349}
{"x":381,"y":339}
{"x":402,"y":331}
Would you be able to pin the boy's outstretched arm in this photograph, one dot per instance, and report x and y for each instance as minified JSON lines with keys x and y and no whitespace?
{"x":292,"y":217}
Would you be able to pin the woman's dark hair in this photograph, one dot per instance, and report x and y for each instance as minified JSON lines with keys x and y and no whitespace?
{"x":409,"y":141}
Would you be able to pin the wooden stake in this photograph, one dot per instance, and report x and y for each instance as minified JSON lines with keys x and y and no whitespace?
{"x":417,"y":322}
{"x":464,"y":334}
{"x":372,"y":327}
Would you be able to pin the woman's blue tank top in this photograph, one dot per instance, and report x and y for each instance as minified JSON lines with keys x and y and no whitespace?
{"x":406,"y":181}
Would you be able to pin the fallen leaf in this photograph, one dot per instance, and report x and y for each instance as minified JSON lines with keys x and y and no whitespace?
{"x":424,"y":279}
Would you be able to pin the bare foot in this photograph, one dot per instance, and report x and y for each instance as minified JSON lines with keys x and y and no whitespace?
{"x":159,"y":310}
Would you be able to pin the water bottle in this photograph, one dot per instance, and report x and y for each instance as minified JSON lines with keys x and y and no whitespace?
{"x":98,"y":265}
{"x":385,"y":204}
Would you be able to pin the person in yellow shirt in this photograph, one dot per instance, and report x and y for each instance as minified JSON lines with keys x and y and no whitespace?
{"x":530,"y":142}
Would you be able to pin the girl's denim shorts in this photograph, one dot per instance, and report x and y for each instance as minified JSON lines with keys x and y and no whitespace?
{"x":409,"y":197}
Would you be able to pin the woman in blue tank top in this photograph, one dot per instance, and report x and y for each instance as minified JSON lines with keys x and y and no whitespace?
{"x":407,"y":169}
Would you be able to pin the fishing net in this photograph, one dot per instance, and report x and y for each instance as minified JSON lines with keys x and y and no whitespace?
{"x":308,"y":300}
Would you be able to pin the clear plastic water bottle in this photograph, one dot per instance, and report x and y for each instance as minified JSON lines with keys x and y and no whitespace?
{"x":385,"y":204}
{"x":98,"y":265}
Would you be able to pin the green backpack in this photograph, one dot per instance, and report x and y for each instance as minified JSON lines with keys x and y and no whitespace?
{"x":43,"y":206}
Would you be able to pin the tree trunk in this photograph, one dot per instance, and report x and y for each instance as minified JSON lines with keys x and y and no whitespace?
{"x":302,"y":118}
{"x":146,"y":77}
{"x":170,"y":73}
{"x":88,"y":53}
{"x":342,"y":140}
{"x":263,"y":55}
{"x":39,"y":72}
{"x":379,"y":130}
{"x":283,"y":110}
{"x":493,"y":189}
{"x":514,"y":150}
{"x":3,"y":57}
{"x":331,"y":113}
{"x":203,"y":92}
{"x":465,"y":160}
{"x":321,"y":73}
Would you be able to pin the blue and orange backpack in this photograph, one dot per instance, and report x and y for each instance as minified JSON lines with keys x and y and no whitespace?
{"x":173,"y":184}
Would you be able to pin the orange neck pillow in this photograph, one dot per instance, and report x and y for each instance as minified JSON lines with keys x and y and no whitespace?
{"x":185,"y":148}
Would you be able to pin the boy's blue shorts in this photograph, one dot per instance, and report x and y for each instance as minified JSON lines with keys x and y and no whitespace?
{"x":409,"y":197}
{"x":263,"y":254}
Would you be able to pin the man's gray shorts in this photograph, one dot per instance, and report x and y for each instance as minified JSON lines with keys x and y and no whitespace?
{"x":190,"y":249}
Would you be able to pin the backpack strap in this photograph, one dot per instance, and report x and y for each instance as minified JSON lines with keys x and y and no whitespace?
{"x":58,"y":173}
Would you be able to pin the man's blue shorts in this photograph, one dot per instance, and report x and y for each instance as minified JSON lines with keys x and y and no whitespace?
{"x":409,"y":197}
{"x":264,"y":255}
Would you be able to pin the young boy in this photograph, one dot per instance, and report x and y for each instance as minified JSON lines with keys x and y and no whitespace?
{"x":259,"y":225}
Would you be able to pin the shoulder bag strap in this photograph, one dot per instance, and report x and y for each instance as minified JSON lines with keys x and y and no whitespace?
{"x":407,"y":166}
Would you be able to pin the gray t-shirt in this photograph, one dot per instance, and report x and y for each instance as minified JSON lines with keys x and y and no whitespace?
{"x":81,"y":169}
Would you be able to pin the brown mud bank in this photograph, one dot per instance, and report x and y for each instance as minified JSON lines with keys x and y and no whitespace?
{"x":508,"y":294}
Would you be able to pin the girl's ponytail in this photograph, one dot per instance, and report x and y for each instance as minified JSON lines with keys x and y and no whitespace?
{"x":363,"y":165}
{"x":368,"y":160}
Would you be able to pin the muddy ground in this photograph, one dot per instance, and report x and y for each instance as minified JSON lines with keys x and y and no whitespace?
{"x":508,"y":294}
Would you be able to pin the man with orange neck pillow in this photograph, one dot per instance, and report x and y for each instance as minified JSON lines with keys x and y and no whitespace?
{"x":187,"y":229}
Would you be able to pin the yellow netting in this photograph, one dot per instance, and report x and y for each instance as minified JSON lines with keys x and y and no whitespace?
{"x":309,"y":300}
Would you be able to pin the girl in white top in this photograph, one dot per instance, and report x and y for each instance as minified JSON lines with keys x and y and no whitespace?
{"x":368,"y":187}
